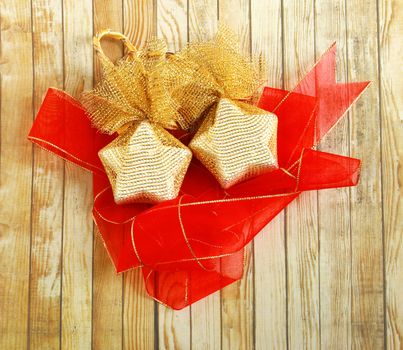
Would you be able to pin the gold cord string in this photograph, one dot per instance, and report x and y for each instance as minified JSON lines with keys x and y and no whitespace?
{"x":134,"y":244}
{"x":107,"y":33}
{"x":186,"y":238}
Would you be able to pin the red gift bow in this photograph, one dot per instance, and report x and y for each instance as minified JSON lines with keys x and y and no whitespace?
{"x":193,"y":246}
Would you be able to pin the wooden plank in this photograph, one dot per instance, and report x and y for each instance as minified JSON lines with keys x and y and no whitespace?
{"x":48,"y":182}
{"x":269,"y":246}
{"x":16,"y":171}
{"x":333,"y":205}
{"x":138,"y":313}
{"x":366,"y":208}
{"x":78,"y":226}
{"x":108,"y":14}
{"x":391,"y":103}
{"x":206,"y":313}
{"x":301,"y":215}
{"x":30,"y":311}
{"x":237,"y":300}
{"x":107,"y":313}
{"x":203,"y":19}
{"x":139,"y":308}
{"x":174,"y":327}
{"x":140,"y":20}
{"x":172,"y":23}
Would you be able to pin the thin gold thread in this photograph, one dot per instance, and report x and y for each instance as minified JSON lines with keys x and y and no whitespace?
{"x":288,"y":173}
{"x":293,"y":165}
{"x":304,"y":76}
{"x":186,"y":290}
{"x":200,"y":258}
{"x":311,"y":117}
{"x":107,"y":220}
{"x":238,"y":199}
{"x":346,"y":111}
{"x":106,"y":247}
{"x":299,"y":168}
{"x":185,"y":236}
{"x":155,"y":298}
{"x":34,"y":139}
{"x":63,"y":95}
{"x":208,"y":244}
{"x":134,"y":244}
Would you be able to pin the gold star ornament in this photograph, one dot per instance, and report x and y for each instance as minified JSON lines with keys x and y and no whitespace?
{"x":236,"y":141}
{"x":145,"y":164}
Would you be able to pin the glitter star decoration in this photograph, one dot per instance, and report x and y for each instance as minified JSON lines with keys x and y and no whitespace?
{"x":145,"y":164}
{"x":236,"y":141}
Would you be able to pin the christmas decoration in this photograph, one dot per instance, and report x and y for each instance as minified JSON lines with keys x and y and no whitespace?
{"x":193,"y":245}
{"x":144,"y":163}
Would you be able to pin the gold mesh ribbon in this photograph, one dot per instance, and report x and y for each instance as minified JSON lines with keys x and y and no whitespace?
{"x":123,"y":95}
{"x":204,"y":84}
{"x":144,"y":163}
{"x":202,"y":73}
{"x":214,"y":84}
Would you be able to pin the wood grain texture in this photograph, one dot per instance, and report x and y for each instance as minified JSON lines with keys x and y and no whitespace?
{"x":78,"y":227}
{"x":326,"y":273}
{"x":48,"y":182}
{"x":138,"y":314}
{"x":367,"y":304}
{"x":172,"y":23}
{"x":107,"y":301}
{"x":391,"y":104}
{"x":16,"y":172}
{"x":269,"y":246}
{"x":139,"y":20}
{"x":334,"y":229}
{"x":302,"y":215}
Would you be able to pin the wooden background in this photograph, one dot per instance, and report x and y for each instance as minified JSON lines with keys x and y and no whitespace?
{"x":326,"y":273}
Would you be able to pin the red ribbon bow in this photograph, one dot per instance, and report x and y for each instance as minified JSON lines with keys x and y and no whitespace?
{"x":193,"y":246}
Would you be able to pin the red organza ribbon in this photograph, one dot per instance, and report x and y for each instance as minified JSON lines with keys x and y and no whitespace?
{"x":193,"y":246}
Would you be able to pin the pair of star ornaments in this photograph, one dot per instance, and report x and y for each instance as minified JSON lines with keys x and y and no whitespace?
{"x":235,"y":142}
{"x":150,"y":91}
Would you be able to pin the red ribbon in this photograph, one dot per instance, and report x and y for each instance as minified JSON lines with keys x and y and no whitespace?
{"x":193,"y":246}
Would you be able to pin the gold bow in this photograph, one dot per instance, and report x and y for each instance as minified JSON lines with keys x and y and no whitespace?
{"x":145,"y":163}
{"x":214,"y":84}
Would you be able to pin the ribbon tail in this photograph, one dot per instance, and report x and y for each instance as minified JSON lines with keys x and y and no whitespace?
{"x":62,"y":127}
{"x":308,"y":112}
{"x":320,"y":170}
{"x":180,"y":288}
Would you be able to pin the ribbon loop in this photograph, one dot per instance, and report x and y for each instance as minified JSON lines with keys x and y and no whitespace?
{"x":108,"y":33}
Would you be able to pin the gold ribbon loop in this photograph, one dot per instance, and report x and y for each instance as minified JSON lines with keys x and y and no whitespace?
{"x":108,"y":33}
